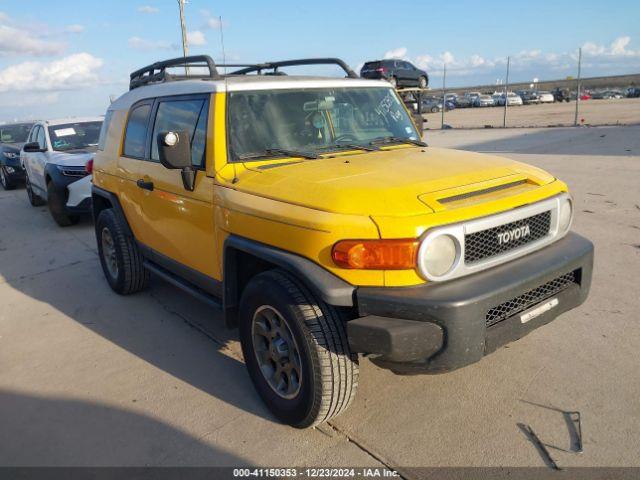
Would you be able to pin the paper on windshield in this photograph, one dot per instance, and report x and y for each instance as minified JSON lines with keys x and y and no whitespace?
{"x":64,"y":132}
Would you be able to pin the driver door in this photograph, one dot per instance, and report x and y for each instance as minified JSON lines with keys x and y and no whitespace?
{"x":178,"y":223}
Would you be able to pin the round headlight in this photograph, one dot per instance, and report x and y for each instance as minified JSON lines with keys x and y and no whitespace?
{"x":438,"y":255}
{"x":565,"y":215}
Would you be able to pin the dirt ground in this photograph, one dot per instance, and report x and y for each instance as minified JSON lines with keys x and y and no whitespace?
{"x":89,"y":378}
{"x":624,"y":111}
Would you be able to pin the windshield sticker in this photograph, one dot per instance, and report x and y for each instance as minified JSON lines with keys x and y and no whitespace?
{"x":385,"y":108}
{"x":64,"y":132}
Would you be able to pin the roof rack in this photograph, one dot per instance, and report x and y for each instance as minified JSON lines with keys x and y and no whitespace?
{"x":259,"y":67}
{"x":156,"y":72}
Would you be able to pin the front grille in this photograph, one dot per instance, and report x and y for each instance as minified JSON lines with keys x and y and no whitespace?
{"x":486,"y":243}
{"x":529,"y":299}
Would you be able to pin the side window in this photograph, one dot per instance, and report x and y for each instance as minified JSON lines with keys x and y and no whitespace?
{"x":41,"y":138}
{"x":182,"y":115}
{"x":136,"y":134}
{"x":104,"y":130}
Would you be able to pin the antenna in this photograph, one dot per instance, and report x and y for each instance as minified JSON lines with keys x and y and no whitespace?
{"x":224,"y":56}
{"x":185,"y":47}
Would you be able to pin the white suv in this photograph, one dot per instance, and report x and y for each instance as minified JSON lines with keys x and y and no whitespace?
{"x":57,"y":159}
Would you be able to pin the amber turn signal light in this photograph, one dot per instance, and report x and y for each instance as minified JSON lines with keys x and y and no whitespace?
{"x":396,"y":254}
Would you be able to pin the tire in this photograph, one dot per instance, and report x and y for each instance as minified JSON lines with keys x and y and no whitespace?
{"x":435,"y":109}
{"x":393,"y":81}
{"x":323,"y":373}
{"x":119,"y":250}
{"x":57,"y":203}
{"x":422,"y":82}
{"x":5,"y":181}
{"x":34,"y":199}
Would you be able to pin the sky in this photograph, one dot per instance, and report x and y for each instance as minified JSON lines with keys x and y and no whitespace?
{"x":69,"y":57}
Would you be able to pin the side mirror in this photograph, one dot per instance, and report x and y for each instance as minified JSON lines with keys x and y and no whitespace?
{"x":174,"y":151}
{"x":33,"y":147}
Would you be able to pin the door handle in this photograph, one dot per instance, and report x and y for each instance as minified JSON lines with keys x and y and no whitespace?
{"x":145,"y":185}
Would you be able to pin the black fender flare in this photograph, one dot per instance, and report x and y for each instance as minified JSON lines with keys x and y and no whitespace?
{"x":331,"y":289}
{"x":115,"y":203}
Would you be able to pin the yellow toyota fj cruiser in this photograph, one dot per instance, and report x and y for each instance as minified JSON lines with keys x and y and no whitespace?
{"x":310,"y":211}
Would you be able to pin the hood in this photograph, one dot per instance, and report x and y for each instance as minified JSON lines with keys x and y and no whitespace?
{"x":76,"y":158}
{"x":12,"y":147}
{"x":392,"y":182}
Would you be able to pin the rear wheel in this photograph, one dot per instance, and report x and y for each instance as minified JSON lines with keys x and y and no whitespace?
{"x":435,"y":109}
{"x":57,"y":203}
{"x":393,"y":81}
{"x":422,"y":82}
{"x":296,"y":350}
{"x":34,"y":199}
{"x":5,"y":181}
{"x":121,"y":261}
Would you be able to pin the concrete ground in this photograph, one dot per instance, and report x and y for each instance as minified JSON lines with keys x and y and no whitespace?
{"x":623,"y":111}
{"x":91,"y":378}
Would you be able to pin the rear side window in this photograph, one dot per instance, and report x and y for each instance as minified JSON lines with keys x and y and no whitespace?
{"x":182,"y":115}
{"x":104,"y":130}
{"x":136,"y":133}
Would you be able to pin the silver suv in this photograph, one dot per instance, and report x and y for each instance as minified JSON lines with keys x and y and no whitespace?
{"x":57,"y":160}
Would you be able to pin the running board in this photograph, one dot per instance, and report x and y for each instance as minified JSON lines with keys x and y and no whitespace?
{"x":183,"y":284}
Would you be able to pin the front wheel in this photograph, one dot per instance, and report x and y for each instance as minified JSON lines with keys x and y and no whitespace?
{"x":57,"y":202}
{"x":422,"y":82}
{"x":393,"y":81}
{"x":296,"y":350}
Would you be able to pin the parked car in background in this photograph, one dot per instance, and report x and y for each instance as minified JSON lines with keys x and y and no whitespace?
{"x":398,"y":73}
{"x":546,"y":97}
{"x":57,"y":159}
{"x":528,"y":96}
{"x":431,"y":104}
{"x":512,"y":99}
{"x":561,"y":94}
{"x":12,"y":138}
{"x":464,"y":101}
{"x":606,"y":95}
{"x":633,"y":92}
{"x":483,"y":101}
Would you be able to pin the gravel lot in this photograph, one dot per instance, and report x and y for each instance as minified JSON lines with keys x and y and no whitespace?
{"x":624,"y":111}
{"x":91,"y":378}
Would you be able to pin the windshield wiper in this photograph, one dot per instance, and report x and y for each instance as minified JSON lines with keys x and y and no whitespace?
{"x":392,"y":139}
{"x":351,"y":146}
{"x":272,"y":152}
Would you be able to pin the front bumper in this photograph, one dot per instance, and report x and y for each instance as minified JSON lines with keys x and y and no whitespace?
{"x":438,"y":327}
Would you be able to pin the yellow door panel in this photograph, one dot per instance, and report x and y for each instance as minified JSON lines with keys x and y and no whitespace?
{"x":178,"y":223}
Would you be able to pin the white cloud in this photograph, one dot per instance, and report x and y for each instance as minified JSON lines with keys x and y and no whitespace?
{"x":3,"y":17}
{"x":16,"y":41}
{"x":138,"y":43}
{"x":399,"y":52}
{"x":196,"y":38}
{"x":71,"y":72}
{"x":148,"y":9}
{"x":211,"y":22}
{"x":75,"y":28}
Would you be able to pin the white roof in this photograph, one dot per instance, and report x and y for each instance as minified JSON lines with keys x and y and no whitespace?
{"x":238,"y":83}
{"x":62,"y":121}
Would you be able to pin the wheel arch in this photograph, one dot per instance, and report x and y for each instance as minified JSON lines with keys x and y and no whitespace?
{"x":103,"y":199}
{"x":244,"y":258}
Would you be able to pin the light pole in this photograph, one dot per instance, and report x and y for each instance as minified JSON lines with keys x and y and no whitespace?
{"x":575,"y":118}
{"x":185,"y":47}
{"x":506,"y":95}
{"x":444,"y":94}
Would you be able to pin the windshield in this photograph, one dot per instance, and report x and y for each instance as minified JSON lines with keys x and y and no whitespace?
{"x":74,"y":136}
{"x":15,"y":133}
{"x":315,"y":120}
